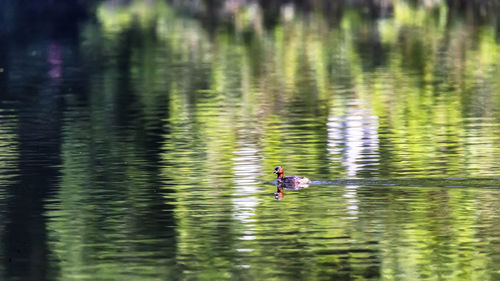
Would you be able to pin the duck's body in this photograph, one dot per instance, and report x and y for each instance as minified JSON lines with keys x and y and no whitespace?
{"x":291,"y":182}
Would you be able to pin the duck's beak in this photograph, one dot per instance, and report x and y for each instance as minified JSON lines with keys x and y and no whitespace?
{"x":275,"y":172}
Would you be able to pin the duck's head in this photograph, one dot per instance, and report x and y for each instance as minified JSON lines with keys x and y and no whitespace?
{"x":279,"y":171}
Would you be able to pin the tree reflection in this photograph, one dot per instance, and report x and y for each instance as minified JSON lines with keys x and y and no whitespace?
{"x":163,"y":137}
{"x":395,"y":94}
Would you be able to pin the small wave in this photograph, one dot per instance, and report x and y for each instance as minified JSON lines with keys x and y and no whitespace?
{"x":413,"y":182}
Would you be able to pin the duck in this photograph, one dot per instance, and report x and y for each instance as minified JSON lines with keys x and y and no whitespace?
{"x":290,"y":182}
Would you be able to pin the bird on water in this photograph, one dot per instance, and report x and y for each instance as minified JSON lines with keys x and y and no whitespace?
{"x":290,"y":182}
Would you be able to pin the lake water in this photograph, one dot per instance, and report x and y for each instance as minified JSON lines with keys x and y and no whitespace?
{"x":138,"y":140}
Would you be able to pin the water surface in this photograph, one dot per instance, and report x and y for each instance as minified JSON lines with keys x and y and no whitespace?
{"x":138,"y":140}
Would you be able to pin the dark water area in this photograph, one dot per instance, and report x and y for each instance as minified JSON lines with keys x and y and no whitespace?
{"x":138,"y":140}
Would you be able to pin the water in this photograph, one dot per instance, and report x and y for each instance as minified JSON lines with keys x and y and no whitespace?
{"x":138,"y":140}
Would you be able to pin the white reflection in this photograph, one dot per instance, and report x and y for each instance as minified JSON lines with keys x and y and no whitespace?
{"x":248,"y":237}
{"x":353,"y":139}
{"x":244,"y":250}
{"x":246,"y":169}
{"x":288,"y":12}
{"x":351,"y":195}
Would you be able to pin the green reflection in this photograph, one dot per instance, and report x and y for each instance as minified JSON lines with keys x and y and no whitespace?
{"x":9,"y":166}
{"x":163,"y":166}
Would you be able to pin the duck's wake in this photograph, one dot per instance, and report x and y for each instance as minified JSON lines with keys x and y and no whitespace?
{"x":412,"y":182}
